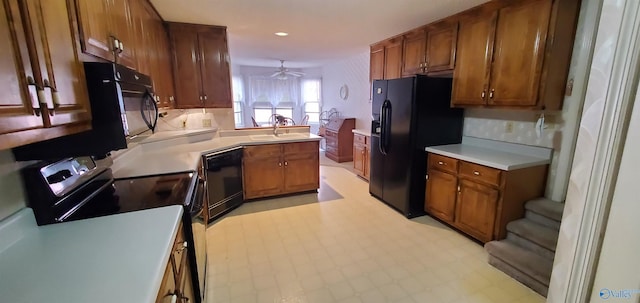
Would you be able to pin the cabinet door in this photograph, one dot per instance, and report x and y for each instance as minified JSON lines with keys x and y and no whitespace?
{"x":17,"y":98}
{"x":441,"y":48}
{"x":393,"y":60}
{"x":376,"y":63}
{"x":141,"y":24}
{"x":168,"y":286}
{"x":440,"y":198}
{"x":121,"y":26}
{"x":358,"y":158}
{"x":214,"y":66}
{"x":301,"y":172}
{"x":473,"y":60}
{"x":521,"y":36}
{"x":186,"y":66}
{"x":367,"y":168}
{"x":262,"y":177}
{"x":476,"y":210}
{"x":93,"y":19}
{"x":164,"y":65}
{"x":55,"y":57}
{"x":413,"y":53}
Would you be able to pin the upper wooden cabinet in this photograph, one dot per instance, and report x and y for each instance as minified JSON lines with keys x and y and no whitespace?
{"x":107,"y":30}
{"x":43,"y":95}
{"x":201,"y":65}
{"x":430,"y":49}
{"x":386,"y":60}
{"x":516,"y":56}
{"x":153,"y":55}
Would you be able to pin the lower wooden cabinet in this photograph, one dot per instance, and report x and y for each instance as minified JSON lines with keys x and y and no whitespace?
{"x":361,"y":148}
{"x":176,"y":283}
{"x":278,"y":169}
{"x":479,"y":200}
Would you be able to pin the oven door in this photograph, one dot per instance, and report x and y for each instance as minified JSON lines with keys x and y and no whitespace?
{"x":198,"y":220}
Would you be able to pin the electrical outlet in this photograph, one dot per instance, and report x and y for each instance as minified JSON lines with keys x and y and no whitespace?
{"x":508,"y":127}
{"x":206,"y":122}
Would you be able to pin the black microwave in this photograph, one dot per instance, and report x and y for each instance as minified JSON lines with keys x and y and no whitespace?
{"x":122,"y":107}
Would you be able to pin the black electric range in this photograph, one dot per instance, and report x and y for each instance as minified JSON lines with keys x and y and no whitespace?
{"x":81,"y":188}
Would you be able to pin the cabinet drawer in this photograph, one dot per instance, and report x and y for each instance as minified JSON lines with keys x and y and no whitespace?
{"x":332,"y":141}
{"x":443,"y":163}
{"x":331,"y":150}
{"x":301,"y":147}
{"x":480,"y":173}
{"x":359,"y":139}
{"x":262,"y":151}
{"x":331,"y":134}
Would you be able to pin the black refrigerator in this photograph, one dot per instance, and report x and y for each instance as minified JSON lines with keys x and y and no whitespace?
{"x":409,"y":114}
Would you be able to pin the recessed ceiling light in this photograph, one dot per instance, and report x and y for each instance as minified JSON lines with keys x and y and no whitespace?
{"x":282,"y":34}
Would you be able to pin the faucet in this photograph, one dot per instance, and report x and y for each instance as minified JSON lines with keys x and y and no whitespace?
{"x":275,"y":128}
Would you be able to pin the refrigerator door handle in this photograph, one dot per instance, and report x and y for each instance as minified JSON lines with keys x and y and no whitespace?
{"x":382,"y":118}
{"x":385,"y":125}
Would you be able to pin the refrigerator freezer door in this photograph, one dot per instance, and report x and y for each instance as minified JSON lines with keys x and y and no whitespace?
{"x":376,"y":174}
{"x":397,"y":165}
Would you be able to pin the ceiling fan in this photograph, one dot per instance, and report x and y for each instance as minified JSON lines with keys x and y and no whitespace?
{"x":284,"y":73}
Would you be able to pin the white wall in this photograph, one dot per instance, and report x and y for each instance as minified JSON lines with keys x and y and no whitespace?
{"x":354,"y":72}
{"x":11,"y":188}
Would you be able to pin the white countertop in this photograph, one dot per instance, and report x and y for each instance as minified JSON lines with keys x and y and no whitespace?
{"x":496,"y":154}
{"x":118,"y":258}
{"x":177,"y":155}
{"x":361,"y":131}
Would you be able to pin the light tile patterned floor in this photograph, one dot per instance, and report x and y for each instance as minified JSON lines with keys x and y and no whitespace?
{"x":342,"y":245}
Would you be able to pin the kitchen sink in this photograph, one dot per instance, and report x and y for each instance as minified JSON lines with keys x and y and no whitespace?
{"x":272,"y":137}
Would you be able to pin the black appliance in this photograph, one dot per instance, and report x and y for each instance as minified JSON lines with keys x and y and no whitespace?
{"x":81,"y":188}
{"x":409,"y":114}
{"x":122,"y":107}
{"x":224,"y":181}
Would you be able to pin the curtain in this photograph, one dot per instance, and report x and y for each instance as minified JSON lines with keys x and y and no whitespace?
{"x":278,"y":93}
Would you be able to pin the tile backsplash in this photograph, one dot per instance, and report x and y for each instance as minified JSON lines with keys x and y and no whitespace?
{"x":187,"y":119}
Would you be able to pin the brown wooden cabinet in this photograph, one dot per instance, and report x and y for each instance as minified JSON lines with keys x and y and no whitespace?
{"x":376,"y":61}
{"x":107,"y":30}
{"x":515,"y":54}
{"x":176,"y":282}
{"x":277,"y":169}
{"x":430,"y":49}
{"x":201,"y":65}
{"x":153,"y":51}
{"x":479,"y":200}
{"x":44,"y":95}
{"x":361,"y":147}
{"x":386,"y":59}
{"x":339,"y":139}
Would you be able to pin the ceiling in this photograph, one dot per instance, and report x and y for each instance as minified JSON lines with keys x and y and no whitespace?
{"x":320,"y":31}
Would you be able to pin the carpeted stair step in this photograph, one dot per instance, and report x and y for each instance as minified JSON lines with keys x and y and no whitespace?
{"x":533,"y":237}
{"x":527,"y":267}
{"x":545,"y":212}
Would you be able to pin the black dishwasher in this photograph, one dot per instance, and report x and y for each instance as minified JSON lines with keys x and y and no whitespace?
{"x":224,"y":181}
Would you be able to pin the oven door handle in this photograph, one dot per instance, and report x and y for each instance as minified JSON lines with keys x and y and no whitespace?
{"x":84,"y":201}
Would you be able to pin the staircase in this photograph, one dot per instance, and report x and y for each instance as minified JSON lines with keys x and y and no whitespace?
{"x":527,"y":252}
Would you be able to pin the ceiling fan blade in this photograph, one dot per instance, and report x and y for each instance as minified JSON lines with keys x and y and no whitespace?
{"x":275,"y":74}
{"x":297,"y":74}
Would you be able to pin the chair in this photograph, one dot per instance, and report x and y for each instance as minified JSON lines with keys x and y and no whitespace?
{"x":305,"y":120}
{"x":255,"y":124}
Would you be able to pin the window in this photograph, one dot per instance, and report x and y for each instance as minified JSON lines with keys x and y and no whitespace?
{"x":311,"y":99}
{"x":237,"y":88}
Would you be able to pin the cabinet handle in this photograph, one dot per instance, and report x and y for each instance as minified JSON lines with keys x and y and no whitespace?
{"x":484,"y":93}
{"x":116,"y":44}
{"x":200,"y":98}
{"x":477,"y":173}
{"x":458,"y":188}
{"x":279,"y":163}
{"x":171,"y":98}
{"x":183,"y":247}
{"x":421,"y":64}
{"x":286,"y":163}
{"x":33,"y":96}
{"x":491,"y":93}
{"x":205,"y":97}
{"x":442,"y":163}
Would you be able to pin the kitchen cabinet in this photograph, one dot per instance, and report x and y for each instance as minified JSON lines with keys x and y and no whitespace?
{"x":278,"y":169}
{"x":107,"y":30}
{"x":201,"y":65}
{"x":386,"y":59}
{"x":479,"y":200}
{"x":361,"y":147}
{"x":44,"y":95}
{"x":153,"y":51}
{"x":176,"y":283}
{"x":516,"y":55}
{"x":339,"y":139}
{"x":430,"y":49}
